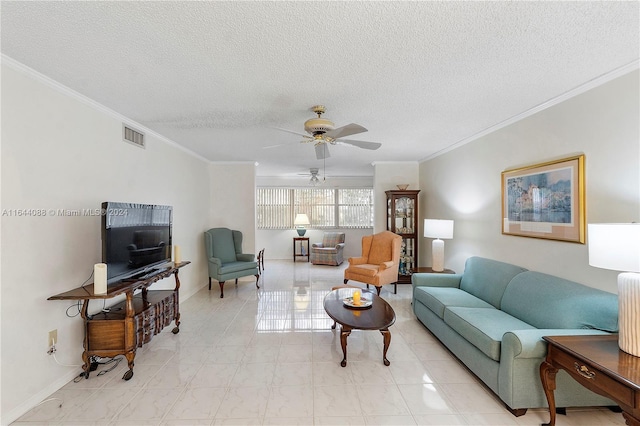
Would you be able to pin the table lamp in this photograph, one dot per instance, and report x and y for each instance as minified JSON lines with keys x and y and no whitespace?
{"x":438,"y":229}
{"x":300,"y":221}
{"x":616,"y":246}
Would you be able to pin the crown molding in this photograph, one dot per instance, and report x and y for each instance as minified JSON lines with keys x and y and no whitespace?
{"x":591,"y":84}
{"x":61,"y":88}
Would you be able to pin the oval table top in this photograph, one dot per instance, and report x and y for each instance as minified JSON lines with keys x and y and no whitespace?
{"x":378,"y":317}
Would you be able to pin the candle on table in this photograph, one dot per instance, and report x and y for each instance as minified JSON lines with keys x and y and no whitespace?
{"x":100,"y":278}
{"x":356,"y":297}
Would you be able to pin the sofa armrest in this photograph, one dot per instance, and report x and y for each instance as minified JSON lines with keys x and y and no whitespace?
{"x":424,"y":279}
{"x":339,"y":246}
{"x":357,"y":260}
{"x":319,"y":245}
{"x":246,"y":257}
{"x":386,"y":265}
{"x":529,"y":343}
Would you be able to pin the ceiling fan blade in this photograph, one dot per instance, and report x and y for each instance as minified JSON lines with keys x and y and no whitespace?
{"x":291,"y":131}
{"x":280,"y":144}
{"x":361,"y":144}
{"x":349,"y":129}
{"x":322,"y":151}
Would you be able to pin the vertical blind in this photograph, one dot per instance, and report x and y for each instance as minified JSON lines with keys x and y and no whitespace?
{"x":325,"y":207}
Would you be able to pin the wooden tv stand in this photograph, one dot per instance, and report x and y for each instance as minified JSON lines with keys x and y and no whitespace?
{"x":130,"y":323}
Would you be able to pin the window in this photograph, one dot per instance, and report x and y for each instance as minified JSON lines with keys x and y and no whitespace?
{"x":326,"y":208}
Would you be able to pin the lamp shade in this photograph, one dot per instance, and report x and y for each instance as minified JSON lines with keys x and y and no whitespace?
{"x":436,"y":228}
{"x":615,"y":246}
{"x":301,"y":219}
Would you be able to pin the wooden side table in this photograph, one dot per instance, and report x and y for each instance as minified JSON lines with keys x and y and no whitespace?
{"x":597,"y":363}
{"x":302,"y":252}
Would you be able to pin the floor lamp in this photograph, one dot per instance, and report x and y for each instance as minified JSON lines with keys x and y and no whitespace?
{"x":438,"y":229}
{"x":616,"y":246}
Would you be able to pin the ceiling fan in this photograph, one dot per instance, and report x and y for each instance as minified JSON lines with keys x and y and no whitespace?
{"x":322,"y":132}
{"x":313,"y":174}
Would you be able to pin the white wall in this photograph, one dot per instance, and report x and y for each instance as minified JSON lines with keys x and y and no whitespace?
{"x":62,"y":153}
{"x":388,"y":174}
{"x":233,"y":200}
{"x":464,"y":184}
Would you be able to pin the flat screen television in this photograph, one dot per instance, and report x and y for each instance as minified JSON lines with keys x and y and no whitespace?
{"x":136,"y":240}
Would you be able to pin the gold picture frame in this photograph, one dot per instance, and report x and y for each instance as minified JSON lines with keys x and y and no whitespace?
{"x":545,"y":200}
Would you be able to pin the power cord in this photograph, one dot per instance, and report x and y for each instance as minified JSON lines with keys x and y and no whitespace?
{"x":53,"y":352}
{"x":78,"y":305}
{"x":115,"y":360}
{"x":51,"y":399}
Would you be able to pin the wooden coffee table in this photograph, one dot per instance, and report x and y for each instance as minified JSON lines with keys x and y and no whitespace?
{"x":380,"y":316}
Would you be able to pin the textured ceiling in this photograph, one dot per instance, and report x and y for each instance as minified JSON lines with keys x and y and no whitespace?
{"x":218,"y":77}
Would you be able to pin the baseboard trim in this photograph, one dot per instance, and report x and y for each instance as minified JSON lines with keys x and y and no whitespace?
{"x":22,"y":409}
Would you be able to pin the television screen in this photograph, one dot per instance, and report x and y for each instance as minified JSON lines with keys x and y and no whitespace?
{"x":136,"y":239}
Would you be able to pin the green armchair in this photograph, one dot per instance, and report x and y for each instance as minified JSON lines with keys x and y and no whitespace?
{"x":225,"y":258}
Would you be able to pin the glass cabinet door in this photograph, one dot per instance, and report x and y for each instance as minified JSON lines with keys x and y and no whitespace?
{"x":402,"y":218}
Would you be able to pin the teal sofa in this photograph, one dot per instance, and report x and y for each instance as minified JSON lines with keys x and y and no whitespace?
{"x":493,"y":316}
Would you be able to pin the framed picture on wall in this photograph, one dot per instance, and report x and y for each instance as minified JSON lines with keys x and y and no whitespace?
{"x":545,"y":200}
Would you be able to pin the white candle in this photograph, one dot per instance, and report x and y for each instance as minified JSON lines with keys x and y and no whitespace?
{"x":176,"y":255}
{"x":100,"y":278}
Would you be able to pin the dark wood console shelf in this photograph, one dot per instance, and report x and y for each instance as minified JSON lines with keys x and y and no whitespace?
{"x":130,"y":323}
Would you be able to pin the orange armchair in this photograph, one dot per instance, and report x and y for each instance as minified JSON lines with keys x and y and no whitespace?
{"x":379,"y":262}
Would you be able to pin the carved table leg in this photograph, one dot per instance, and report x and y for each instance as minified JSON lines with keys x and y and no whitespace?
{"x":130,"y":356}
{"x":386,"y":334}
{"x":86,"y":366}
{"x":344,"y":333}
{"x":548,"y":377}
{"x":630,"y":420}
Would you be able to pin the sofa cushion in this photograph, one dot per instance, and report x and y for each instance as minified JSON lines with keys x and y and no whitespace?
{"x":487,"y":279}
{"x":227,"y":268}
{"x":438,"y":298}
{"x":332,"y":239}
{"x":483,"y":327}
{"x":545,"y":301}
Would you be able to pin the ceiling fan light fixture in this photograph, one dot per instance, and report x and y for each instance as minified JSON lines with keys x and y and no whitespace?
{"x":318,"y":125}
{"x":314,"y":181}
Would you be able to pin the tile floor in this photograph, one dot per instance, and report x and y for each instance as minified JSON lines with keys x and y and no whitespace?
{"x":269,"y":357}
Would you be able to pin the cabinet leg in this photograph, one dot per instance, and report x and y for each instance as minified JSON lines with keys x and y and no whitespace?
{"x":86,"y":366}
{"x":176,"y":329}
{"x":130,"y":357}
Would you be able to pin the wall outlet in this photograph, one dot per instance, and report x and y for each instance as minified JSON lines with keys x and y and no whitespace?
{"x":53,"y":337}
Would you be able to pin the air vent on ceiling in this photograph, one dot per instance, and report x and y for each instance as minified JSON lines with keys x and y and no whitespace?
{"x":132,"y":136}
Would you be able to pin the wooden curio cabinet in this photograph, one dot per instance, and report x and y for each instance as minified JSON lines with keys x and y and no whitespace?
{"x":402,"y":218}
